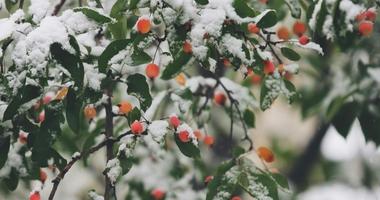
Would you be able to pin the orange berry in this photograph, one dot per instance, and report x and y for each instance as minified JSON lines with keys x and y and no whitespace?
{"x":143,"y":25}
{"x":152,"y":70}
{"x":209,"y":140}
{"x":236,"y":198}
{"x":61,"y":94}
{"x":158,"y":194}
{"x":181,"y":79}
{"x":184,"y":136}
{"x":226,"y":62}
{"x":137,"y":128}
{"x":89,"y":112}
{"x":252,"y":28}
{"x":35,"y":196}
{"x":41,"y":117}
{"x":299,"y":28}
{"x":303,"y":40}
{"x":365,"y":28}
{"x":43,"y":176}
{"x":265,"y":154}
{"x":174,"y":121}
{"x":198,"y":134}
{"x":22,"y":137}
{"x":255,"y":78}
{"x":187,"y":47}
{"x":125,"y":107}
{"x":268,"y":67}
{"x":208,"y":179}
{"x":220,"y":98}
{"x":283,"y":33}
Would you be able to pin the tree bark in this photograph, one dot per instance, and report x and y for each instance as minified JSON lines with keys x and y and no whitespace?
{"x":109,"y":188}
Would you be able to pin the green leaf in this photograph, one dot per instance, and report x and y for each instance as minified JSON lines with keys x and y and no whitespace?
{"x":237,"y":151}
{"x":295,"y":8}
{"x":71,"y":62}
{"x":370,"y":123}
{"x":12,"y":181}
{"x":249,"y":118}
{"x":265,"y":100}
{"x":135,"y":114}
{"x":139,"y":57}
{"x":138,"y":87}
{"x":5,"y":143}
{"x":73,"y":111}
{"x":335,"y":106}
{"x":126,"y":163}
{"x":202,"y":2}
{"x":119,"y":29}
{"x":216,"y":181}
{"x":264,"y":182}
{"x":94,"y":15}
{"x":11,"y":5}
{"x":59,"y":161}
{"x":291,"y":88}
{"x":242,"y":9}
{"x":290,"y":54}
{"x":266,"y":19}
{"x":175,"y":67}
{"x":187,"y":148}
{"x":344,"y":118}
{"x":133,"y":4}
{"x":111,"y":50}
{"x":26,"y":94}
{"x":281,"y":180}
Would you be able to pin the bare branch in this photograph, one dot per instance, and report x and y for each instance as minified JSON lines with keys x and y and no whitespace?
{"x":58,"y":7}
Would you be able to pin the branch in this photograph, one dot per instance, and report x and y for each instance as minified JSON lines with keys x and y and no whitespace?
{"x":109,"y":188}
{"x":269,"y":44}
{"x":58,"y":7}
{"x":85,"y":153}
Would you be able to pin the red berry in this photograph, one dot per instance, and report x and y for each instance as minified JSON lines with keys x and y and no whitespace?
{"x":299,"y":28}
{"x":209,"y":140}
{"x":208,"y":179}
{"x":265,"y":154}
{"x":236,"y":198}
{"x":226,"y":62}
{"x":304,"y":40}
{"x":220,"y":98}
{"x":361,"y":16}
{"x":43,"y":176}
{"x":174,"y":121}
{"x":268,"y":67}
{"x":137,"y":127}
{"x":41,"y":117}
{"x":158,"y":194}
{"x":35,"y":196}
{"x":370,"y":15}
{"x":46,"y":99}
{"x":143,"y":25}
{"x":184,"y":136}
{"x":187,"y":47}
{"x":255,"y":79}
{"x":22,"y":137}
{"x":152,"y":70}
{"x":365,"y":28}
{"x":252,"y":28}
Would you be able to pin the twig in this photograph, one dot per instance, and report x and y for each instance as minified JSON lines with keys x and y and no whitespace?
{"x":269,"y":44}
{"x":58,"y":7}
{"x":21,"y":5}
{"x":85,"y":153}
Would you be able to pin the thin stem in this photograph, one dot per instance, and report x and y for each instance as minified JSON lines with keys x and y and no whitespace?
{"x":21,"y":5}
{"x":58,"y":7}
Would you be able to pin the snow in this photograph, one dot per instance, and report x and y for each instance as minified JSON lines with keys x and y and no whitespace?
{"x":92,"y":76}
{"x":234,"y":46}
{"x":113,"y":170}
{"x":310,"y":45}
{"x":276,"y":88}
{"x":313,"y":19}
{"x":14,"y":161}
{"x":158,"y":129}
{"x":374,"y":73}
{"x":94,"y":196}
{"x":352,"y":10}
{"x":7,"y":27}
{"x":39,"y":9}
{"x":292,"y":68}
{"x":35,"y":48}
{"x":77,"y":21}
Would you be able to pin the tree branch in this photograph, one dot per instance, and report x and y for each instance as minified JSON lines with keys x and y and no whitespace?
{"x":58,"y":7}
{"x":86,"y":153}
{"x":109,"y":188}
